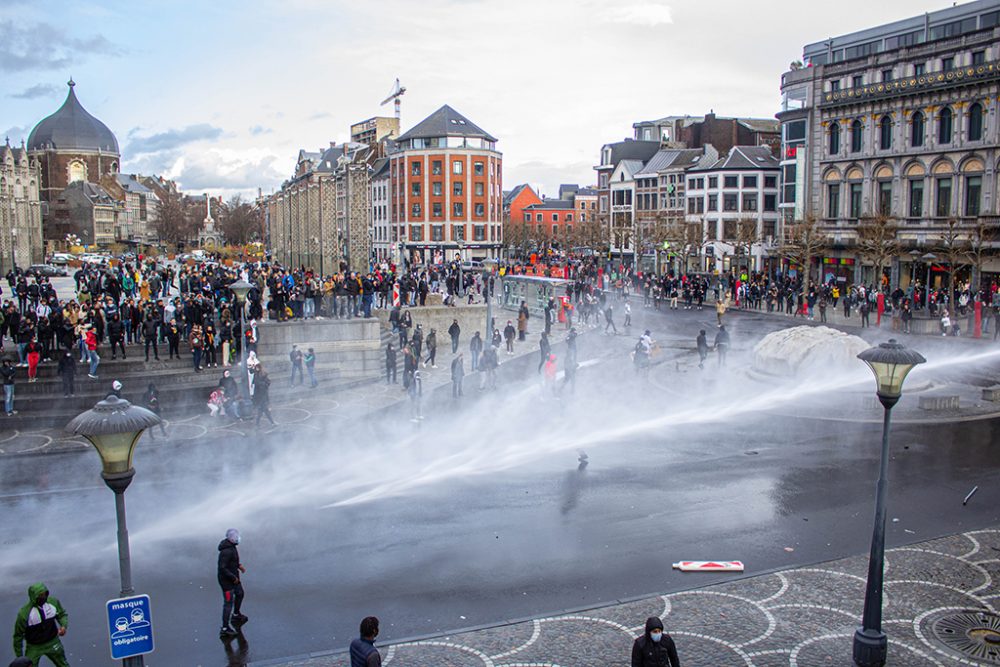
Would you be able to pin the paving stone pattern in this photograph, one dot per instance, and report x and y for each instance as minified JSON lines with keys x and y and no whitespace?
{"x":803,"y":617}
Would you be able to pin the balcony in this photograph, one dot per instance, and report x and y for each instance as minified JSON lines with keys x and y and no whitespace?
{"x":969,"y":75}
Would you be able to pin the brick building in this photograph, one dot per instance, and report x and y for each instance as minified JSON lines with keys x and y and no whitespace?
{"x":699,"y":131}
{"x":446,"y":190}
{"x":516,"y":200}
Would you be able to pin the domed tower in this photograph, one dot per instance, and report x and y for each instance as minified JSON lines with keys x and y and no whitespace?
{"x":72,"y":146}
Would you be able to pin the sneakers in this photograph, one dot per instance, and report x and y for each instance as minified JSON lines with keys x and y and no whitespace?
{"x":93,"y":377}
{"x":240,"y":618}
{"x":227,"y":631}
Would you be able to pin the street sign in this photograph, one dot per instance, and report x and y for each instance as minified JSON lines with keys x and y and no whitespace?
{"x":709,"y":566}
{"x":130,"y":627}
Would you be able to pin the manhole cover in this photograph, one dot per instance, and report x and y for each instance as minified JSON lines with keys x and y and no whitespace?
{"x":975,"y":634}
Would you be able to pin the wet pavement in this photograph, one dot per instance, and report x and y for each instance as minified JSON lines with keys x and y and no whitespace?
{"x":481,"y":514}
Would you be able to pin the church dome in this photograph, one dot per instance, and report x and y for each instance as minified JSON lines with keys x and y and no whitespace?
{"x":72,"y":128}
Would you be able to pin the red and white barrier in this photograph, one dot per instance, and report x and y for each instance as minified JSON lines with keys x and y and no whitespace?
{"x":709,"y":566}
{"x":395,"y":294}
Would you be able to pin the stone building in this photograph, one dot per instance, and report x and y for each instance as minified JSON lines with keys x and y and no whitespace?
{"x":385,"y":242}
{"x":446,"y":191}
{"x":140,"y":209}
{"x":20,"y":209}
{"x":71,"y":146}
{"x":87,"y":211}
{"x":900,"y":120}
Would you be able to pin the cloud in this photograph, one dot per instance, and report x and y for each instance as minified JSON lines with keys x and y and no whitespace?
{"x":224,"y":169}
{"x":42,"y":46}
{"x":260,"y":129}
{"x":648,"y":14}
{"x":172,"y":138}
{"x":16,"y":134}
{"x":38,"y":90}
{"x":320,"y":115}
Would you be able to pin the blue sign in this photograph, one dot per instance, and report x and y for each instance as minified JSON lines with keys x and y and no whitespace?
{"x":130,"y":627}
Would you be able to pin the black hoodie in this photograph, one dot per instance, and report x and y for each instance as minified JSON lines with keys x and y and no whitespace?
{"x":229,"y":565}
{"x":647,"y":653}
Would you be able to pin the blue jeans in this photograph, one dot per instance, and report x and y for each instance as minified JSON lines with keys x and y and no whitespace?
{"x":308,"y":308}
{"x":95,"y":360}
{"x":8,"y":398}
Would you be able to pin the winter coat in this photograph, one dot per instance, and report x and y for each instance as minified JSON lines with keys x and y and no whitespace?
{"x":647,"y":653}
{"x":38,"y":624}
{"x":229,"y":565}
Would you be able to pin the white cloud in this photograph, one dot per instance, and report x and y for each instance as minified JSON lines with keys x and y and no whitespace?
{"x":649,"y":14}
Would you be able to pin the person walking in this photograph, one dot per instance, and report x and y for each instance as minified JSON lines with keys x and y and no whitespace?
{"x":92,"y":355}
{"x":197,"y":342}
{"x":655,"y":648}
{"x":67,"y":371}
{"x":628,"y":315}
{"x":522,"y":320}
{"x":722,"y":344}
{"x":475,"y":349}
{"x":229,"y":575}
{"x":508,"y":336}
{"x":363,"y":651}
{"x":702,"y":343}
{"x":149,"y":333}
{"x":151,"y":399}
{"x":609,"y":321}
{"x":33,"y":352}
{"x":720,"y":310}
{"x":8,"y":372}
{"x":38,"y":628}
{"x":310,"y":361}
{"x":295,"y":357}
{"x":390,"y":363}
{"x":864,"y":309}
{"x":432,"y":347}
{"x":454,"y":331}
{"x":544,"y":349}
{"x":262,"y":396}
{"x":457,"y":373}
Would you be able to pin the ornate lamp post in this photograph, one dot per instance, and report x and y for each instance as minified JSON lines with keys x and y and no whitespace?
{"x":489,"y":264}
{"x":113,"y":427}
{"x":890,"y":362}
{"x":241,"y":288}
{"x":929,"y":259}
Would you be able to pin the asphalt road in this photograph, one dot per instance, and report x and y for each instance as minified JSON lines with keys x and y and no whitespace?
{"x":482,"y":514}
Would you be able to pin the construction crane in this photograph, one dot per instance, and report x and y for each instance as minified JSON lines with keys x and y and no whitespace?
{"x":397,"y":92}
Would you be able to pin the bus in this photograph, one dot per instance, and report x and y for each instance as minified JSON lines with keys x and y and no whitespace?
{"x":535,"y":291}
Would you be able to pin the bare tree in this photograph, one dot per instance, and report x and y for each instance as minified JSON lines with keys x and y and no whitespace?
{"x":954,"y":246}
{"x":802,"y":241}
{"x":982,"y":246}
{"x":176,"y":223}
{"x":240,"y":221}
{"x":878,"y":242}
{"x":745,"y":238}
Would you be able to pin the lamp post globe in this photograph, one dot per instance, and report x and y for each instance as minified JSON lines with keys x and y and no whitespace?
{"x":890,"y":362}
{"x":241,"y":288}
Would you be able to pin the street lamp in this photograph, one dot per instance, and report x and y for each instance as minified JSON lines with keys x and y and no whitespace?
{"x":240,"y":289}
{"x":929,"y":258}
{"x":488,"y":264}
{"x":461,"y":276}
{"x":890,"y":362}
{"x":113,"y":427}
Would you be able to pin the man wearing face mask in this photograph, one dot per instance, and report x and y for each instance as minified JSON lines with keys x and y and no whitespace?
{"x":230,"y":570}
{"x":38,"y":627}
{"x":655,"y":648}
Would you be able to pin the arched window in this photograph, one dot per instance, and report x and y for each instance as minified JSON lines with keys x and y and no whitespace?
{"x":976,"y":122}
{"x":77,"y":171}
{"x":945,"y":126}
{"x":857,"y":132}
{"x":885,"y":133}
{"x":917,"y":129}
{"x":834,"y":138}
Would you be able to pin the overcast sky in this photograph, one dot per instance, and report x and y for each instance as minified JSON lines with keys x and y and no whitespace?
{"x":221,"y":95}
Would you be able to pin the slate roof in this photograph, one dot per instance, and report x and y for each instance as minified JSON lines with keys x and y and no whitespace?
{"x":511,"y":195}
{"x":72,"y":127}
{"x":744,"y":158}
{"x":550,"y":204}
{"x":92,"y":191}
{"x":130,"y":184}
{"x":380,"y":167}
{"x":586,"y":192}
{"x":631,"y":150}
{"x":445,"y":122}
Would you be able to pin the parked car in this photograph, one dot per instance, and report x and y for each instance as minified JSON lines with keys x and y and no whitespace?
{"x":47,"y":270}
{"x":61,"y":258}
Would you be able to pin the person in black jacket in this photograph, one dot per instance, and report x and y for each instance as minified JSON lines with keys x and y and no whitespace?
{"x":390,"y":363}
{"x":116,"y":335}
{"x":230,"y":570}
{"x":67,"y":371}
{"x":655,"y":648}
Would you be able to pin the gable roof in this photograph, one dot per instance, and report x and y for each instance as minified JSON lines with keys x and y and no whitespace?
{"x":445,"y":122}
{"x":668,"y":158}
{"x":744,"y":158}
{"x":511,"y":195}
{"x":629,"y":149}
{"x":627,"y":167}
{"x":559,"y":204}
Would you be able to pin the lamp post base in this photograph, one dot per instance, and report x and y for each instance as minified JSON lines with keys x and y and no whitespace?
{"x":870,"y":648}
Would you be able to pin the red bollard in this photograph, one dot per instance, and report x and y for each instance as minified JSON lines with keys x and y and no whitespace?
{"x":977,"y":328}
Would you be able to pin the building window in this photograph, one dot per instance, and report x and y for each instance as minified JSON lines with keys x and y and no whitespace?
{"x":857,"y":81}
{"x":834,"y":86}
{"x":458,"y":209}
{"x":437,"y":232}
{"x":943,"y":209}
{"x":713,"y":202}
{"x":947,"y":64}
{"x":885,"y":133}
{"x":438,"y":209}
{"x":728,"y":230}
{"x":583,"y":217}
{"x":415,"y":210}
{"x":458,"y":167}
{"x":479,"y":187}
{"x":916,"y":198}
{"x":978,"y":58}
{"x":750,"y":202}
{"x":555,"y":217}
{"x":527,"y":217}
{"x":731,"y":182}
{"x":749,"y":181}
{"x":416,"y":233}
{"x":415,"y":168}
{"x":857,"y":134}
{"x":919,"y":69}
{"x":478,"y":168}
{"x":770,"y":181}
{"x":436,"y":167}
{"x":479,"y":232}
{"x":885,"y":198}
{"x":945,"y":126}
{"x":834,"y":138}
{"x":886,"y":75}
{"x":917,"y":130}
{"x":437,"y":188}
{"x":415,"y":189}
{"x":538,"y":217}
{"x":730,"y":202}
{"x":770,"y":203}
{"x":456,"y":188}
{"x":976,"y":122}
{"x":833,"y":200}
{"x":458,"y":233}
{"x":713,"y":181}
{"x":855,"y":202}
{"x":973,"y":195}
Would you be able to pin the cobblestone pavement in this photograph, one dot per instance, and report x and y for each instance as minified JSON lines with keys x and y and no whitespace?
{"x":802,"y":617}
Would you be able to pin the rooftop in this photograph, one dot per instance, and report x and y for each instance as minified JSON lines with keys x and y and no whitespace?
{"x":445,"y":122}
{"x":71,"y":127}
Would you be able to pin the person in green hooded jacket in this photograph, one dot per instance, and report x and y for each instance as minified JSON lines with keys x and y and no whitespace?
{"x":38,"y":627}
